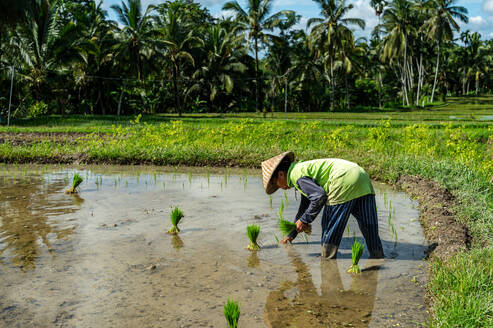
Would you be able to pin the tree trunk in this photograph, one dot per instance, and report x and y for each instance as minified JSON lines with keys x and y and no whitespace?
{"x":477,"y":82}
{"x":420,"y":76}
{"x":436,"y":73}
{"x":256,"y":76}
{"x":177,"y":100}
{"x":347,"y":93}
{"x":332,"y":84}
{"x":380,"y":88}
{"x":404,"y":73}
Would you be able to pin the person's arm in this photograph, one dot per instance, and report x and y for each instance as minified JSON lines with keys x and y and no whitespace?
{"x":303,"y":206}
{"x":316,"y":196}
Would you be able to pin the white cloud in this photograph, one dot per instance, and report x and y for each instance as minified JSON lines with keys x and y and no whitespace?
{"x":211,"y":2}
{"x":488,"y":5}
{"x":224,"y":14}
{"x":490,"y":35}
{"x":302,"y":24}
{"x":477,"y":20}
{"x":363,"y":10}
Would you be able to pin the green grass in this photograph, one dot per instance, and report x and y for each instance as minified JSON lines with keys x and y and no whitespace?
{"x":457,"y":154}
{"x":472,"y":112}
{"x":463,"y":290}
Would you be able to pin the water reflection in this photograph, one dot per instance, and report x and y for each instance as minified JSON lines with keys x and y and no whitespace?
{"x":298,"y":304}
{"x":28,"y":208}
{"x":177,"y":242}
{"x":253,"y":260}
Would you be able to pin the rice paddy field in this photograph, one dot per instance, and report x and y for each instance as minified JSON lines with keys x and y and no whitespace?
{"x":449,"y":146}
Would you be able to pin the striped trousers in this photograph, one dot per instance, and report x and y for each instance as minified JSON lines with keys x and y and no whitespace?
{"x":334,"y":221}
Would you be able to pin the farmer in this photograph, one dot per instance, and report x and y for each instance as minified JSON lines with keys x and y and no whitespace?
{"x":341,"y":186}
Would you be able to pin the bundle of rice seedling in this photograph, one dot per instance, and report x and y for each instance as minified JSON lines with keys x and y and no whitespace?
{"x":232,"y":313}
{"x":176,"y":216}
{"x":287,"y":227}
{"x":253,"y":231}
{"x":358,"y":249}
{"x":76,"y":181}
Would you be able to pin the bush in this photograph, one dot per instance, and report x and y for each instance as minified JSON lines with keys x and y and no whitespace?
{"x":37,"y":109}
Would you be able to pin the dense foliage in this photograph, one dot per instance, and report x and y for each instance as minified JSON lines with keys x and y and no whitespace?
{"x":69,"y":57}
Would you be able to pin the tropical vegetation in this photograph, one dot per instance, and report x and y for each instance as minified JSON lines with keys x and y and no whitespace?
{"x":69,"y":57}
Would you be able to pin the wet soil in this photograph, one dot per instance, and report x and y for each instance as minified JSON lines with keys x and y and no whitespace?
{"x":28,"y":138}
{"x":445,"y":235}
{"x":103,"y":258}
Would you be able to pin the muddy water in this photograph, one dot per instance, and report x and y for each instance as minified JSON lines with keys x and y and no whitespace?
{"x":104,"y":259}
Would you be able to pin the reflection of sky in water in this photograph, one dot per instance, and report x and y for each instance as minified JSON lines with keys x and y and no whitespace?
{"x":29,"y":211}
{"x":122,"y":216}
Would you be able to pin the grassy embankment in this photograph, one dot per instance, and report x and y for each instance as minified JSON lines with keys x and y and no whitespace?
{"x":455,"y":152}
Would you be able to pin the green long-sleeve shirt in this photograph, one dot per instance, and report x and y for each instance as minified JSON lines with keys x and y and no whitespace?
{"x":342,"y":180}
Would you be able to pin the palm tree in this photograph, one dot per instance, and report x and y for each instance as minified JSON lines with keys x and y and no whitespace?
{"x":178,"y":38}
{"x":305,"y":71}
{"x":255,"y":20}
{"x":397,"y":23}
{"x":46,"y":48}
{"x":440,"y":25}
{"x":95,"y":45}
{"x":222,"y":62}
{"x":332,"y":31}
{"x":135,"y":32}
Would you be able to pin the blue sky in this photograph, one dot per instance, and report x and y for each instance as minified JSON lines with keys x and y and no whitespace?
{"x":480,"y":12}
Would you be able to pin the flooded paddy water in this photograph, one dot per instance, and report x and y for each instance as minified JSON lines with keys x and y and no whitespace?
{"x":103,"y":258}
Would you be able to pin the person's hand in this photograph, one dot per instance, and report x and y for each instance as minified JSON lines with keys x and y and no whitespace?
{"x":300,"y":226}
{"x":286,"y":240}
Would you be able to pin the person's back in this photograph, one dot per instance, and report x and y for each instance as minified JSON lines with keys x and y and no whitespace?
{"x":342,"y":180}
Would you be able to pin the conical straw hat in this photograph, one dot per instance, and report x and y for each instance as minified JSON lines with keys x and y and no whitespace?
{"x":269,"y":167}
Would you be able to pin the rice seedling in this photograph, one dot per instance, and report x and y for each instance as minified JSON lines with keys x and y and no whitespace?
{"x":252,"y":232}
{"x":358,"y":249}
{"x":281,"y":210}
{"x":76,"y":181}
{"x":176,"y":216}
{"x":232,"y":313}
{"x":270,"y":201}
{"x":286,"y":226}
